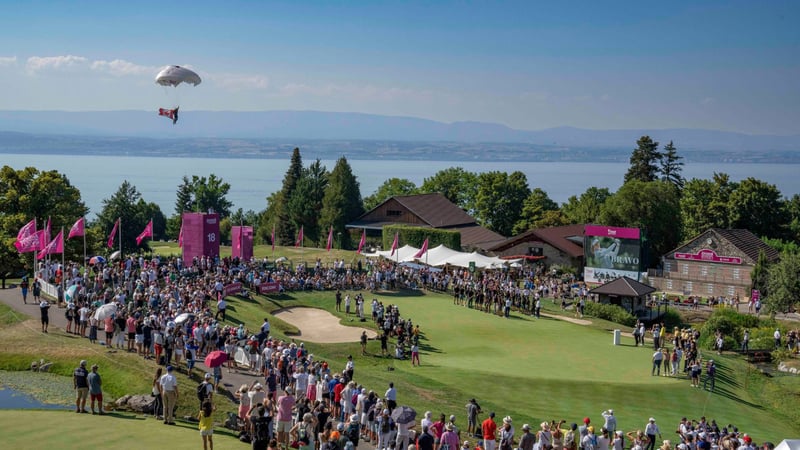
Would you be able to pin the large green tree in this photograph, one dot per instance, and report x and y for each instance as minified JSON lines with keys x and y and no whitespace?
{"x":759,"y":207}
{"x":587,"y":207}
{"x":210,"y":194}
{"x":652,"y":207}
{"x":26,"y":194}
{"x":534,"y":208}
{"x":672,"y":166}
{"x":499,"y":199}
{"x":306,"y":202}
{"x":458,"y":185}
{"x":644,"y":161}
{"x":783,"y":284}
{"x":793,"y":212}
{"x":389,"y":189}
{"x":704,"y":204}
{"x":342,"y":202}
{"x":125,"y":204}
{"x":285,"y":229}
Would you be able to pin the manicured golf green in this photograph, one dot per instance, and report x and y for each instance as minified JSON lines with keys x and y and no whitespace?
{"x":533,"y":370}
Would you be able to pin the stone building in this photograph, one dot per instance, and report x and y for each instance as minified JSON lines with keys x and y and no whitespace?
{"x":717,"y":263}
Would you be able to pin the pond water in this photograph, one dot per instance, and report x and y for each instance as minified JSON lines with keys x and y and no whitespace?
{"x":14,"y":399}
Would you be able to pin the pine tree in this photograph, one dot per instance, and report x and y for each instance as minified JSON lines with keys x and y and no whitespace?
{"x":285,"y":228}
{"x":643,"y":161}
{"x":342,"y":202}
{"x":671,"y":166}
{"x":184,"y":201}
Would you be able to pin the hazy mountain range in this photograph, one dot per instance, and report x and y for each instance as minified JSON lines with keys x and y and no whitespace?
{"x":263,"y":133}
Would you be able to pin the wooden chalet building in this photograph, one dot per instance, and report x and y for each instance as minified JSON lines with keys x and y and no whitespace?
{"x":427,"y":210}
{"x":561,"y":246}
{"x":716,"y":263}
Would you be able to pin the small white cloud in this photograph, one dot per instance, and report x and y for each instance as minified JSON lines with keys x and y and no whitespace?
{"x":120,"y":67}
{"x":237,"y":82}
{"x":6,"y":61}
{"x":707,"y":101}
{"x":40,"y":63}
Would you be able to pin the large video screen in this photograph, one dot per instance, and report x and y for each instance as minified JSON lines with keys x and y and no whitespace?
{"x":610,"y":253}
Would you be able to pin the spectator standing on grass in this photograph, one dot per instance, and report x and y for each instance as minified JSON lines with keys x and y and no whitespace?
{"x":169,"y":389}
{"x":489,"y":431}
{"x":473,"y":409}
{"x":711,"y":375}
{"x":206,"y":424}
{"x":156,"y":392}
{"x":95,"y":390}
{"x":44,"y":309}
{"x":651,"y":430}
{"x":777,"y":336}
{"x":746,"y":341}
{"x":391,"y":397}
{"x":658,"y":356}
{"x":80,"y":382}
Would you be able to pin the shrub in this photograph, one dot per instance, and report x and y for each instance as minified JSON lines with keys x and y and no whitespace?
{"x":672,"y":319}
{"x":612,"y":313}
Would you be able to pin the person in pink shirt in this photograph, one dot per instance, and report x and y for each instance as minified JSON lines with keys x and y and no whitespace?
{"x":449,"y":440}
{"x":285,"y":404}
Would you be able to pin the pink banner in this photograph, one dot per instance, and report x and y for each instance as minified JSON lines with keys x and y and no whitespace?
{"x":709,"y":256}
{"x":242,"y":242}
{"x":200,"y":235}
{"x":268,"y":288}
{"x":231,"y":289}
{"x":614,"y":232}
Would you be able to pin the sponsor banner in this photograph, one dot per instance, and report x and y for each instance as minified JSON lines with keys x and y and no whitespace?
{"x":612,"y":248}
{"x":613,"y":232}
{"x":231,"y":289}
{"x":755,"y":295}
{"x":268,"y":288}
{"x":595,"y":275}
{"x":708,"y":255}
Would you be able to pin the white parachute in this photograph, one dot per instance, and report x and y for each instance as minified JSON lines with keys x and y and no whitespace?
{"x":172,"y":76}
{"x":175,"y":75}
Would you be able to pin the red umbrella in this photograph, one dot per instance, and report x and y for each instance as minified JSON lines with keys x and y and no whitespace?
{"x":216,"y":358}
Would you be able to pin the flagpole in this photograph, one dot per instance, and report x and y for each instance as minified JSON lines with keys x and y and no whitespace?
{"x":63,"y":267}
{"x":83,"y":265}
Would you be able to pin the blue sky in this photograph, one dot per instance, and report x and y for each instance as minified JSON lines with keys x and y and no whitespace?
{"x":727,"y":65}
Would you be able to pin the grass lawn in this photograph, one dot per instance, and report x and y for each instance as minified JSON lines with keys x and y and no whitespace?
{"x":67,"y":430}
{"x":533,"y":370}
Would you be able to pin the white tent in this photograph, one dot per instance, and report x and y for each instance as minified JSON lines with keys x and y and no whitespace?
{"x":788,"y":444}
{"x":438,"y":256}
{"x":402,"y":254}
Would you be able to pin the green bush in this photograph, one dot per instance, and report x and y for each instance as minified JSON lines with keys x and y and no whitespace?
{"x":732,"y":324}
{"x":612,"y":313}
{"x":672,"y":319}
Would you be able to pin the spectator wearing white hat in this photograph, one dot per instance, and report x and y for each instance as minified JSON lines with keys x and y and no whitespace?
{"x":527,"y":439}
{"x":610,"y":421}
{"x":651,"y":430}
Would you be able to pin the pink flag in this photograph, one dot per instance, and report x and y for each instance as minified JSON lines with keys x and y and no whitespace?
{"x":77,"y":229}
{"x":27,"y":230}
{"x":362,"y":241}
{"x":147,"y":233}
{"x":55,"y":246}
{"x":330,"y":240}
{"x":395,"y":243}
{"x":31,"y":243}
{"x":46,"y":235}
{"x":180,"y":237}
{"x":113,"y":233}
{"x":299,"y":242}
{"x":423,"y":250}
{"x":273,"y":238}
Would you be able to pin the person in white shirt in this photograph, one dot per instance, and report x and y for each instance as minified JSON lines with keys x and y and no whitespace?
{"x":169,"y":389}
{"x":651,"y":430}
{"x":777,"y":336}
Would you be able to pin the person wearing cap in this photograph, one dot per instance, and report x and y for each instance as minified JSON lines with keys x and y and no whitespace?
{"x":610,"y":421}
{"x":285,"y":404}
{"x":545,"y":436}
{"x":95,"y":389}
{"x":590,"y":441}
{"x":449,"y":440}
{"x":711,"y":375}
{"x":473,"y":409}
{"x":80,"y":383}
{"x":425,"y":439}
{"x":489,"y":432}
{"x":651,"y":430}
{"x":583,"y":430}
{"x":527,"y":439}
{"x":384,"y":425}
{"x":169,"y":389}
{"x":570,"y":442}
{"x":44,"y":310}
{"x":464,"y":446}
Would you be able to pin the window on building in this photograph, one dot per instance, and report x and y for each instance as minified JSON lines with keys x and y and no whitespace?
{"x":688,"y":288}
{"x":393,"y":213}
{"x":736,"y":273}
{"x":731,"y":291}
{"x":710,"y":289}
{"x":684,"y":269}
{"x":668,"y":284}
{"x":667,"y":266}
{"x":704,"y":270}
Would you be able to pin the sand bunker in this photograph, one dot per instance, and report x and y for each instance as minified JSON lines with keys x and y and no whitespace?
{"x":318,"y":325}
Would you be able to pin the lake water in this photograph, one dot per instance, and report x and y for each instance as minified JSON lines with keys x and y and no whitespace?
{"x":14,"y":399}
{"x":252,"y":180}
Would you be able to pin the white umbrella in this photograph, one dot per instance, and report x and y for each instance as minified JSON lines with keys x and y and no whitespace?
{"x":115,"y":255}
{"x":105,"y":311}
{"x":280,"y":259}
{"x":182,"y":318}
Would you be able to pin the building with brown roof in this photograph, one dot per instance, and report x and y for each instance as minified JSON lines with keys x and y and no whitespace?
{"x":716,"y":263}
{"x":427,"y":210}
{"x":625,"y":292}
{"x":561,"y":246}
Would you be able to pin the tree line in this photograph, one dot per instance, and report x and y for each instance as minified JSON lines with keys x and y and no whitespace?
{"x":654,"y":197}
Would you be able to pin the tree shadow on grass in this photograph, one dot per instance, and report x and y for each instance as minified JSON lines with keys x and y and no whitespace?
{"x":401,"y":293}
{"x":123,"y":415}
